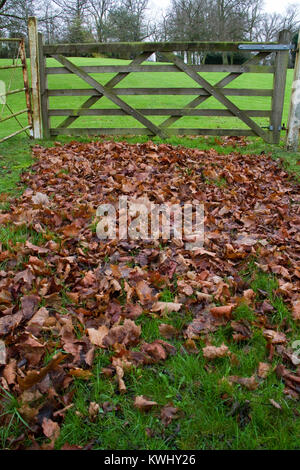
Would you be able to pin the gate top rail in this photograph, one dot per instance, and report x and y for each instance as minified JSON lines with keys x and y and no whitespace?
{"x":77,"y":49}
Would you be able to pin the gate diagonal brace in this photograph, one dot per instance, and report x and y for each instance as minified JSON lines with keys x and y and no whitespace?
{"x":222,"y":83}
{"x":108,"y":93}
{"x":217,"y":94}
{"x":110,"y":84}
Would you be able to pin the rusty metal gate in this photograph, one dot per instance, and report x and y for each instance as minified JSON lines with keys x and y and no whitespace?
{"x":6,"y":110}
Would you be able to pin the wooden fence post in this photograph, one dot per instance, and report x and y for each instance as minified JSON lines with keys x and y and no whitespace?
{"x":35,"y":78}
{"x":293,"y":126}
{"x":281,"y":64}
{"x":26,"y":81}
{"x":43,"y":88}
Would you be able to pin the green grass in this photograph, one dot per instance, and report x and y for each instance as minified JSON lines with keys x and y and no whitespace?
{"x":11,"y":235}
{"x":15,"y":157}
{"x":205,"y":403}
{"x":10,"y":411}
{"x":267,"y":286}
{"x":212,"y":413}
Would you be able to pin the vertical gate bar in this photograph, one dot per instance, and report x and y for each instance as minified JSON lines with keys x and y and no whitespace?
{"x":43,"y":88}
{"x":35,"y":78}
{"x":293,"y":126}
{"x":26,"y":81}
{"x":281,"y":65}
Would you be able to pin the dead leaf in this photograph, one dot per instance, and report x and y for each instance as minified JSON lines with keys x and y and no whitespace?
{"x":71,"y":230}
{"x":212,"y":352}
{"x":242,"y":330}
{"x":204,"y":323}
{"x":168,"y":413}
{"x":248,"y":382}
{"x":96,"y":336}
{"x":39,"y":318}
{"x":168,"y":331}
{"x":5,"y":218}
{"x":93,"y":410}
{"x":40,"y":199}
{"x":191,"y":347}
{"x":127,"y":334}
{"x":35,"y":376}
{"x":51,"y":430}
{"x":249,"y":296}
{"x":81,"y":373}
{"x":143,"y":404}
{"x":5,"y":297}
{"x":223,"y":311}
{"x":296,"y":310}
{"x":9,"y":372}
{"x":120,"y":375}
{"x":27,"y":412}
{"x":263,"y":369}
{"x":37,"y":249}
{"x":29,"y":304}
{"x":9,"y":322}
{"x":275,"y":404}
{"x":276,"y":337}
{"x":166,"y":307}
{"x":68,"y":446}
{"x":155,"y":350}
{"x":144,"y":292}
{"x":3,"y":353}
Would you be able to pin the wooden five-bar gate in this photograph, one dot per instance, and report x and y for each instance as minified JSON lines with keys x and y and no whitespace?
{"x":169,"y":51}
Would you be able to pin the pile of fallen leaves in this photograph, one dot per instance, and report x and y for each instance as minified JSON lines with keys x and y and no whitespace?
{"x":73,"y":293}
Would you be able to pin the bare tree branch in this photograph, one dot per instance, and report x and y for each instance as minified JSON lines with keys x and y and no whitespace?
{"x":12,"y":16}
{"x":2,"y":3}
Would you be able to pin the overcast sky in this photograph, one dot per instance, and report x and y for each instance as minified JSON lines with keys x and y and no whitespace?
{"x":269,"y":5}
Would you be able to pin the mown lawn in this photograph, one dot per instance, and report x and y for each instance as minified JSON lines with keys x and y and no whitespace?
{"x":212,"y":414}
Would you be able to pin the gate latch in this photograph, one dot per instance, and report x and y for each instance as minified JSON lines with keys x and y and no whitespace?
{"x":280,"y":128}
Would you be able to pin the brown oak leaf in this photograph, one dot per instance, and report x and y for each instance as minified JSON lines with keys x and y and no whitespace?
{"x":143,"y":404}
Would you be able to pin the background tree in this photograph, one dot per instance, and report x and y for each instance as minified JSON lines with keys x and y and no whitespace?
{"x":74,"y":15}
{"x":271,"y":23}
{"x":99,"y":11}
{"x":15,"y":14}
{"x":127,"y":22}
{"x":49,"y":21}
{"x":2,"y":3}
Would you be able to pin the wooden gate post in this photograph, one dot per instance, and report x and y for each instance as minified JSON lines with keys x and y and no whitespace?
{"x":281,"y":65}
{"x":35,"y":78}
{"x":293,"y":125}
{"x":43,"y":88}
